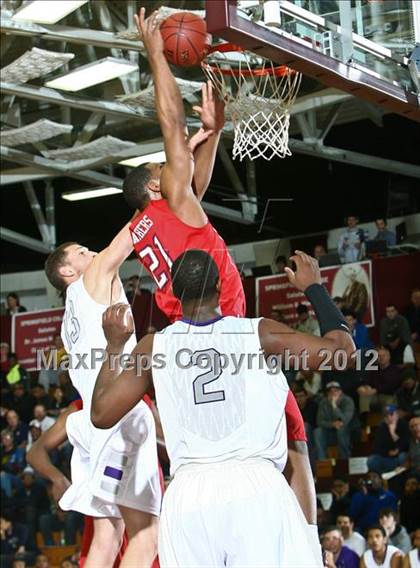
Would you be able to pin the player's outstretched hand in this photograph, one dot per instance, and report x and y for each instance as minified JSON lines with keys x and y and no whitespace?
{"x":199,"y":137}
{"x":212,"y":109}
{"x":149,"y":30}
{"x":118,"y":325}
{"x":307,"y":271}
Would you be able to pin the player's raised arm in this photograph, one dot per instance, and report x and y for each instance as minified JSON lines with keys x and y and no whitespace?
{"x":118,"y":392}
{"x":277,"y":338}
{"x":38,"y":457}
{"x":177,"y":174}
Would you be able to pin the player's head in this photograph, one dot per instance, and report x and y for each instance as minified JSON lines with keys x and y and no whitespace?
{"x":195,"y":278}
{"x":67,"y":263}
{"x":142,"y":185}
{"x":376,"y":538}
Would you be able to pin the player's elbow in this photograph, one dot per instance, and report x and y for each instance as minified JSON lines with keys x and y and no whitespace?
{"x":343,"y":349}
{"x":101,"y":418}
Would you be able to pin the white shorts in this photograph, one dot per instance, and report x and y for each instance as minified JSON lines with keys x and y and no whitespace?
{"x":113,"y":467}
{"x":234,"y":514}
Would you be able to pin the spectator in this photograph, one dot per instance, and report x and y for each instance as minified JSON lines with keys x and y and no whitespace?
{"x":13,"y":304}
{"x":281,"y":264}
{"x":19,"y":429}
{"x":20,"y":401}
{"x":70,"y":393}
{"x":13,"y":541}
{"x":321,"y":517}
{"x":59,"y":402}
{"x":341,"y":502}
{"x":350,"y":244}
{"x":39,"y":396}
{"x":408,"y":395}
{"x":414,"y":448}
{"x":40,"y":415}
{"x":277,"y":315}
{"x":336,"y":554}
{"x":54,"y":519}
{"x":358,"y":330}
{"x":369,"y":500}
{"x":319,"y":251}
{"x":396,"y":533}
{"x":412,"y":559}
{"x":16,"y":373}
{"x":393,"y":322}
{"x":381,"y":384}
{"x":308,"y":409}
{"x":306,"y":323}
{"x":391,"y":442}
{"x":412,"y":314}
{"x":401,"y":353}
{"x":34,"y":433}
{"x":310,"y":381}
{"x":352,"y":539}
{"x":339,"y":302}
{"x":19,"y":562}
{"x":12,"y":457}
{"x":34,"y":502}
{"x":380,"y":553}
{"x":42,"y":561}
{"x":384,"y":234}
{"x":410,"y":503}
{"x":56,"y":354}
{"x":333,"y":418}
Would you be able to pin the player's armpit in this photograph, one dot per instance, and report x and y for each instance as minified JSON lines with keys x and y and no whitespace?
{"x":116,"y":393}
{"x":279,"y":339}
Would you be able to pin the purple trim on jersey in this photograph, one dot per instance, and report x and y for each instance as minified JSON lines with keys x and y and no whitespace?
{"x":202,"y":323}
{"x":113,"y":472}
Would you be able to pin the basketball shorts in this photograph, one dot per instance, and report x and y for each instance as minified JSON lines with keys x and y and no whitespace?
{"x":234,"y":514}
{"x":113,"y":467}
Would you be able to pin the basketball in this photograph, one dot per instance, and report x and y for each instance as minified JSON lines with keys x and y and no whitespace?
{"x":186,"y":39}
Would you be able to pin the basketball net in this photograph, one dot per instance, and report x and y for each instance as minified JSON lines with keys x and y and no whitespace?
{"x":258,"y":98}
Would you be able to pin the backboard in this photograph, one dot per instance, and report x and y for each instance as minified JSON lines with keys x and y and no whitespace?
{"x":362,"y":47}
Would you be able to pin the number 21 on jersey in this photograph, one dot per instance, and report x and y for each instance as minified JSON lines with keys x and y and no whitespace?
{"x":160,"y":268}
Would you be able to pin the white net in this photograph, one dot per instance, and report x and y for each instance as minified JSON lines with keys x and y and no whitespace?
{"x":258,"y":99}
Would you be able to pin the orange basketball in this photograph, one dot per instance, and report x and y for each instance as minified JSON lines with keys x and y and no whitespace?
{"x":186,"y":39}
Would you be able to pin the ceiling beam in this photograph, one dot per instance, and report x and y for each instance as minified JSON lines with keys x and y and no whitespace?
{"x":19,"y":175}
{"x":98,"y":178}
{"x":354,"y":158}
{"x":56,"y":32}
{"x":24,"y":241}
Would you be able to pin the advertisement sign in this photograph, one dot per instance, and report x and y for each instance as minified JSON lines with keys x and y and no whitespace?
{"x":352,"y":282}
{"x":33,"y":331}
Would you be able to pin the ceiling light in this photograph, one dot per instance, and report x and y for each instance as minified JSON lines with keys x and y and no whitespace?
{"x":90,"y":193}
{"x":38,"y":131}
{"x":92,"y":74}
{"x":33,"y":64}
{"x":155,"y":157}
{"x":46,"y":11}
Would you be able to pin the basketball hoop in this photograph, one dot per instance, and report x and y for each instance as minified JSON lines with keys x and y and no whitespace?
{"x":258,"y":98}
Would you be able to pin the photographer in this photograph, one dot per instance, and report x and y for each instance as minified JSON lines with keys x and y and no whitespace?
{"x":369,"y":500}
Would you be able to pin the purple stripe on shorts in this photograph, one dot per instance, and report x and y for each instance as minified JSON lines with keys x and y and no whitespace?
{"x":113,"y":472}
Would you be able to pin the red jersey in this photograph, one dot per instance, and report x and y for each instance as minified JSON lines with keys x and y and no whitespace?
{"x":159,"y":237}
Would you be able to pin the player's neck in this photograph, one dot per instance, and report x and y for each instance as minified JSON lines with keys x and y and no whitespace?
{"x":200,"y":314}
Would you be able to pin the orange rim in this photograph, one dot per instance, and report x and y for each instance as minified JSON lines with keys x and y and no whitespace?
{"x":278,"y":71}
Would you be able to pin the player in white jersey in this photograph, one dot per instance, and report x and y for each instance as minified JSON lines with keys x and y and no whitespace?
{"x":220,"y":402}
{"x":114,"y":472}
{"x":380,"y":554}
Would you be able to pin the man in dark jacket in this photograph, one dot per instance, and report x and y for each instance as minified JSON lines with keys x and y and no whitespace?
{"x":391,"y":442}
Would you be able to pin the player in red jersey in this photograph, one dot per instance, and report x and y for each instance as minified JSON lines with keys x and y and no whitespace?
{"x":171,"y":219}
{"x":39,"y":459}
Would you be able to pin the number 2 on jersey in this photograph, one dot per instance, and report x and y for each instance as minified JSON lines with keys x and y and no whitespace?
{"x":212,"y":359}
{"x":159,"y":268}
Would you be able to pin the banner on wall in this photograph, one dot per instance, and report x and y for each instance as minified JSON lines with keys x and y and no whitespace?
{"x":352,"y":282}
{"x":33,"y":331}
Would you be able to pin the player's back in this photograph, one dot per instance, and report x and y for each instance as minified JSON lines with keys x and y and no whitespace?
{"x":159,"y":237}
{"x":84,"y":339}
{"x":230,"y":408}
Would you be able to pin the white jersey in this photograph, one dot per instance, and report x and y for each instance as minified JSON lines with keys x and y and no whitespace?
{"x":371,"y":563}
{"x":83,"y":338}
{"x":216,"y":396}
{"x":414,"y":557}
